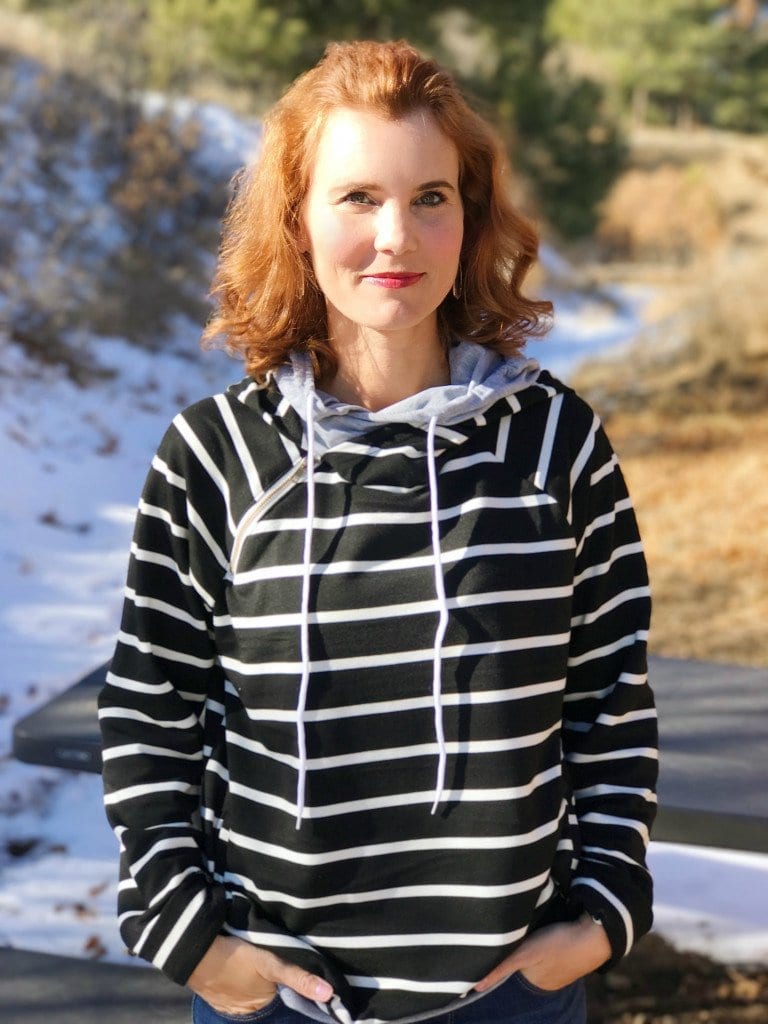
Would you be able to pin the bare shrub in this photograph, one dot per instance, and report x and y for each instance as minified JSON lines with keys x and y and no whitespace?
{"x":110,"y":221}
{"x":666,"y":213}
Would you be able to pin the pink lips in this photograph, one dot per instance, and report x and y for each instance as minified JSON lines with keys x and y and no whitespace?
{"x":394,"y":280}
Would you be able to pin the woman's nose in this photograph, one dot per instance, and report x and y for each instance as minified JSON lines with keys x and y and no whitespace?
{"x":394,"y":231}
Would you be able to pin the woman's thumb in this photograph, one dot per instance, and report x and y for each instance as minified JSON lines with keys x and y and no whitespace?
{"x":308,"y":985}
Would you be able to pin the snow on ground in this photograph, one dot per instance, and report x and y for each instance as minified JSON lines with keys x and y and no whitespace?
{"x":73,"y":462}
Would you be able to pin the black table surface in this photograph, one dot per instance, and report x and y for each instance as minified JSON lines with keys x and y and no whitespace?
{"x":713,"y":724}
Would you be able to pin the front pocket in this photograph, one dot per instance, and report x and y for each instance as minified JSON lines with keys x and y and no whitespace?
{"x":534,"y":989}
{"x":204,"y":1013}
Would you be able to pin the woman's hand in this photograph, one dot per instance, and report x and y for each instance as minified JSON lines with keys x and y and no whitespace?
{"x":555,"y":956}
{"x":235,"y":977}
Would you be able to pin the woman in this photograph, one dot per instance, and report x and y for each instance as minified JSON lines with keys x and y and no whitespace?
{"x":378,"y":739}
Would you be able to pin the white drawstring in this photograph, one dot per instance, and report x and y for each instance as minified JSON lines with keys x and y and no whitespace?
{"x":301,"y":737}
{"x":442,"y":621}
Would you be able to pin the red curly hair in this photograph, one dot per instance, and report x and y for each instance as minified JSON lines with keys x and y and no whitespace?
{"x":267,"y":302}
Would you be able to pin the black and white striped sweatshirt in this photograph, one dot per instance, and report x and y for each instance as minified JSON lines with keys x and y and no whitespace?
{"x":381,"y":709}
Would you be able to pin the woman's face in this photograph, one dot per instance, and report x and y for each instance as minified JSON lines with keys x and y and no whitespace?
{"x":383,"y":223}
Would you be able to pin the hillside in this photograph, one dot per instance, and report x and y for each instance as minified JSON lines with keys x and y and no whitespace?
{"x":687,"y":404}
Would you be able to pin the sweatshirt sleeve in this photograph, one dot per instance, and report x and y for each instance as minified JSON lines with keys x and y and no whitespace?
{"x":609,"y":729}
{"x":152,"y":716}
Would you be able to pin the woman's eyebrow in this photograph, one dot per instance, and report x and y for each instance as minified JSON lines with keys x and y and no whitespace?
{"x":440,"y":183}
{"x":373,"y":186}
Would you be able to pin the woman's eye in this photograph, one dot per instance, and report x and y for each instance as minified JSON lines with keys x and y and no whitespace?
{"x":431,"y":199}
{"x":358,"y":198}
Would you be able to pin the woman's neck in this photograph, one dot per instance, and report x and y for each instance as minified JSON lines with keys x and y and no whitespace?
{"x":377,"y":369}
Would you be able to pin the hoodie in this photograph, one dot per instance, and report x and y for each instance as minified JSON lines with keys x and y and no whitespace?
{"x":379,"y":699}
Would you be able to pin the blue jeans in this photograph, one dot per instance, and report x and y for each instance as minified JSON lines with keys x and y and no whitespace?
{"x":516,"y":1001}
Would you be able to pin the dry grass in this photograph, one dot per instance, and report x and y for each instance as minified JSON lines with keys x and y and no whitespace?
{"x":690,"y":424}
{"x":700,"y":488}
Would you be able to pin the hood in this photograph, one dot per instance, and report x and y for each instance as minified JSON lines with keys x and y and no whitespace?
{"x":479,"y":377}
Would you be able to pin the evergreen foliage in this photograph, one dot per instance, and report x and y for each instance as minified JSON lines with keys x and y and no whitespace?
{"x":559,"y":77}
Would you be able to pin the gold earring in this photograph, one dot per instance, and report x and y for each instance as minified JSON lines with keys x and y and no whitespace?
{"x":458,"y":284}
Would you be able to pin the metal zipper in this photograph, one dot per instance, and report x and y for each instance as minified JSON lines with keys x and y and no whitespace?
{"x":262,"y":506}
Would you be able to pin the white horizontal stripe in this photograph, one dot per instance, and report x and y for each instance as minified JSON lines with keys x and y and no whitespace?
{"x":382,"y":802}
{"x":339,"y":568}
{"x":600,"y":652}
{"x":605,"y":470}
{"x":406,"y":846}
{"x":192,"y":698}
{"x":149,"y":789}
{"x":164,"y":652}
{"x":633,"y":678}
{"x":394,"y":657}
{"x":610,"y":720}
{"x":398,"y":518}
{"x":130,"y":749}
{"x":390,"y":707}
{"x":614,"y":901}
{"x":172,"y":843}
{"x":601,"y":568}
{"x":267,"y":938}
{"x":613,"y":755}
{"x":626,"y":679}
{"x":174,"y":883}
{"x":447,"y":434}
{"x":186,"y":579}
{"x":608,"y":855}
{"x":612,"y":820}
{"x":155,"y":604}
{"x":405,"y":940}
{"x":408,"y":985}
{"x":606,"y":789}
{"x":631,"y":594}
{"x":332,"y":479}
{"x":390,"y":611}
{"x":386,"y":754}
{"x":607,"y":519}
{"x":133,"y":715}
{"x":445,"y":891}
{"x":155,"y":512}
{"x":356,"y":448}
{"x":162,"y":467}
{"x":214,"y":707}
{"x":466,"y":461}
{"x":134,"y":686}
{"x":630,"y":716}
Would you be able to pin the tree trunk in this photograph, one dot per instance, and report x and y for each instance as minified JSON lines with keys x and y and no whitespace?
{"x":639,"y":105}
